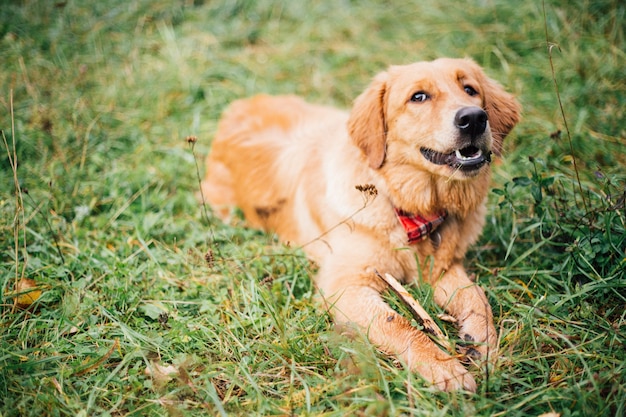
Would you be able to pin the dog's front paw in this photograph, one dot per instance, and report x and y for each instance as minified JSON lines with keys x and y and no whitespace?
{"x":479,"y":339}
{"x":441,"y":370}
{"x":447,"y":375}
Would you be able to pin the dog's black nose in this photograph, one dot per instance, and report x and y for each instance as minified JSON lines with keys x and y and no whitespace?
{"x":471,"y":121}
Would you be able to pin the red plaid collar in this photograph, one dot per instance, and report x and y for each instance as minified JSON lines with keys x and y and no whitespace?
{"x":419,"y":227}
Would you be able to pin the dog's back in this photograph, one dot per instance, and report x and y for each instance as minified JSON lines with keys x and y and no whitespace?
{"x":259,"y":151}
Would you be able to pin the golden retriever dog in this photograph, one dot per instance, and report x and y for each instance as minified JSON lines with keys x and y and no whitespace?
{"x":395,"y":186}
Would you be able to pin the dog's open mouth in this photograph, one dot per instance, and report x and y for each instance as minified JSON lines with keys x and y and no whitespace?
{"x":467,"y":159}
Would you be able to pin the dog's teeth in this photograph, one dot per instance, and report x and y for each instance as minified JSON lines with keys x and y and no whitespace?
{"x":460,"y":156}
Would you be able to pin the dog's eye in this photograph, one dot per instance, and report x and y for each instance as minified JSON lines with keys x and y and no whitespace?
{"x":420,"y":97}
{"x":470,"y":90}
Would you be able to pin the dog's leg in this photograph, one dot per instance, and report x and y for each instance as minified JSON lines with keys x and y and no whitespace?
{"x":467,"y":302}
{"x":217,"y":188}
{"x":362,"y":304}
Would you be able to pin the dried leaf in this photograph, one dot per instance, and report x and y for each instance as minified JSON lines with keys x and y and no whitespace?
{"x":27,"y":292}
{"x":161,"y":374}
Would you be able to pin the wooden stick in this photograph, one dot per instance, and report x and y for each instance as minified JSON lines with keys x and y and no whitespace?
{"x":417,"y":311}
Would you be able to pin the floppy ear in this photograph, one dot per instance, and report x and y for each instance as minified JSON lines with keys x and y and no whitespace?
{"x":503,"y":111}
{"x":367,"y":125}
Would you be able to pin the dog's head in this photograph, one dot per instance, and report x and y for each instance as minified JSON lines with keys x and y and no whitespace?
{"x":443,"y":116}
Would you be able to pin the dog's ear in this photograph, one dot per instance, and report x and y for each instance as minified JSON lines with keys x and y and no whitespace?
{"x":367,"y":125}
{"x":503,"y":111}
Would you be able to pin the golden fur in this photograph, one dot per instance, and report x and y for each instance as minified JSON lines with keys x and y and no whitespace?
{"x":293,"y":168}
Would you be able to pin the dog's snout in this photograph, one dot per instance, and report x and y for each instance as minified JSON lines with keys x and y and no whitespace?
{"x":471,"y":121}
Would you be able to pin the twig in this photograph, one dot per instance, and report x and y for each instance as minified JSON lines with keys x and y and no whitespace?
{"x":367,"y":190}
{"x":19,"y":201}
{"x":558,"y":97}
{"x":99,"y":361}
{"x":417,"y":311}
{"x":191,"y":140}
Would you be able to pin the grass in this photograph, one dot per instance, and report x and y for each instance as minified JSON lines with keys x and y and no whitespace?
{"x":150,"y":307}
